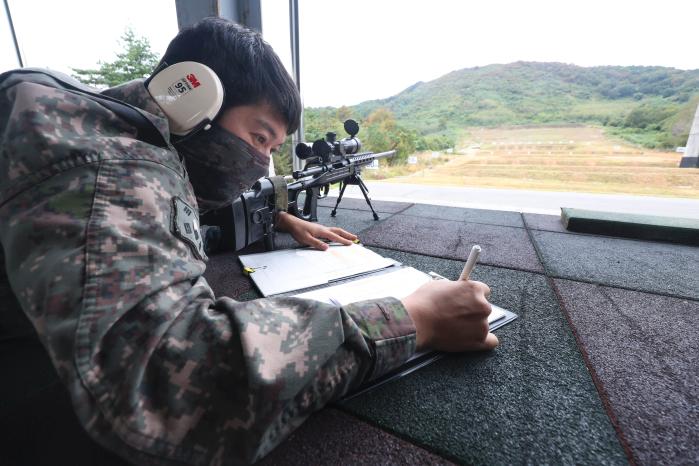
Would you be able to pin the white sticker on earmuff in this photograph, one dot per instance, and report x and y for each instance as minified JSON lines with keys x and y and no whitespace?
{"x":183,"y":85}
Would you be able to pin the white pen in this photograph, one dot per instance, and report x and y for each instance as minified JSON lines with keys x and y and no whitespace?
{"x":470,"y":262}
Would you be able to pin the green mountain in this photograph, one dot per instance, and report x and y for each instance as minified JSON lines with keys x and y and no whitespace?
{"x":652,"y":106}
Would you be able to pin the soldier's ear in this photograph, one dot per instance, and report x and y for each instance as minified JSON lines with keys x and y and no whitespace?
{"x":189,"y":93}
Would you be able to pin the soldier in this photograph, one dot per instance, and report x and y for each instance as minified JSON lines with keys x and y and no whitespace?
{"x":158,"y":369}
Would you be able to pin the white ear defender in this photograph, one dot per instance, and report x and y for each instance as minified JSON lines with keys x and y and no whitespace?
{"x":189,"y":93}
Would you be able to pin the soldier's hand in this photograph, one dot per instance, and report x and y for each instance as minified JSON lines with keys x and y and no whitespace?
{"x":451,"y":315}
{"x":312,"y":234}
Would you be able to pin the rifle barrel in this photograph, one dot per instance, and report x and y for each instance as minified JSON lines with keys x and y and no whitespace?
{"x":359,"y":160}
{"x":371,"y":156}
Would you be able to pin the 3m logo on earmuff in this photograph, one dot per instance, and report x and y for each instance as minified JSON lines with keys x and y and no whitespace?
{"x":193,"y":80}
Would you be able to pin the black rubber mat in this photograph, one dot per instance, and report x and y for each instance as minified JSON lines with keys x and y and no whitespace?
{"x":643,"y":349}
{"x":532,"y":400}
{"x":663,"y":268}
{"x":360,"y":204}
{"x":489,"y":217}
{"x":331,"y":437}
{"x":503,"y":246}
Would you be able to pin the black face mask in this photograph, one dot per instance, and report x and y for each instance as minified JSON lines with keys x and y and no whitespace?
{"x":220,"y":166}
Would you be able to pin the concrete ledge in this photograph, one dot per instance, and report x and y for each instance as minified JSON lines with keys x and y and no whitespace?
{"x":689,"y":162}
{"x":648,"y":227}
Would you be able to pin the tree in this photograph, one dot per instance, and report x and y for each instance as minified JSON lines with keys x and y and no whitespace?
{"x":344,"y":113}
{"x":649,"y":116}
{"x":383,"y":134}
{"x":318,"y":122}
{"x":136,"y":60}
{"x":282,"y":159}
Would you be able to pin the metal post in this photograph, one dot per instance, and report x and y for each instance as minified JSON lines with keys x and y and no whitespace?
{"x":245,"y":12}
{"x":14,"y":35}
{"x":690,"y":158}
{"x":249,"y":13}
{"x":299,"y":135}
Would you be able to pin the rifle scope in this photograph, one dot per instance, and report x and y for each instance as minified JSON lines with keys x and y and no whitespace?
{"x":322,"y":148}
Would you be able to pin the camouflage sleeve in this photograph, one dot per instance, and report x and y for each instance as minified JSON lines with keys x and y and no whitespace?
{"x":158,"y":369}
{"x":388,"y":330}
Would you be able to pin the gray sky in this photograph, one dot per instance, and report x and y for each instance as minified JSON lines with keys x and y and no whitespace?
{"x":358,"y":50}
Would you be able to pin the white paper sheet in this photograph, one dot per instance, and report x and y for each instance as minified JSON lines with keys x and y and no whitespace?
{"x":397,"y":284}
{"x":295,"y":269}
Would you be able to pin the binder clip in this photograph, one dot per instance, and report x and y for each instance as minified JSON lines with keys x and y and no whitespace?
{"x":248,"y":270}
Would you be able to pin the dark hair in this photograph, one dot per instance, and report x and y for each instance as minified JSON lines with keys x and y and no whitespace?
{"x":250,"y":70}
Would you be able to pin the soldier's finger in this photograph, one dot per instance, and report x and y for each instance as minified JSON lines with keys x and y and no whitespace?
{"x":328,"y":234}
{"x":485,"y":289}
{"x":315,"y":243}
{"x":343,"y":233}
{"x":490,"y":342}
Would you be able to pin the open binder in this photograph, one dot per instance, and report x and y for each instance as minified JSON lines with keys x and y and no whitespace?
{"x":344,"y":274}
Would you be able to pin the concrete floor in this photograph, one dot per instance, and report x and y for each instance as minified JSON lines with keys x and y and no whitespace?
{"x":541,"y":202}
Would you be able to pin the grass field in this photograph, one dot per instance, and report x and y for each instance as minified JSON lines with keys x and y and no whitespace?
{"x":579,"y":159}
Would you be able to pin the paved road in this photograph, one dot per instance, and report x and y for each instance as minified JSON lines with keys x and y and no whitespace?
{"x":543,"y":202}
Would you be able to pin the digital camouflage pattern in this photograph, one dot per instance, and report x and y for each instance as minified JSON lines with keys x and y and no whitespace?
{"x":159,"y":370}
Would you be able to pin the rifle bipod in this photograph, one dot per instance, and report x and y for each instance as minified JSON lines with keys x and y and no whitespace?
{"x":355,"y":179}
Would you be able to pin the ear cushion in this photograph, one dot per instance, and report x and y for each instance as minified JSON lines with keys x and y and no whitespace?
{"x":189,"y":93}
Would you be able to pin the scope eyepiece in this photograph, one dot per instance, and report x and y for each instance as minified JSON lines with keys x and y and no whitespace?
{"x":303,"y":150}
{"x":322,"y":148}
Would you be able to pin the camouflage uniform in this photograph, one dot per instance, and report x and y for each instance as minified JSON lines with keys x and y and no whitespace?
{"x":159,"y":370}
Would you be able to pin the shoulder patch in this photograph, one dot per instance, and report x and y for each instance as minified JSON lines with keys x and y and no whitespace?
{"x":185,"y":225}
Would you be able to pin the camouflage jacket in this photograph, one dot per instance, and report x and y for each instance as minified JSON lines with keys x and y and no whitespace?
{"x":159,"y":369}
